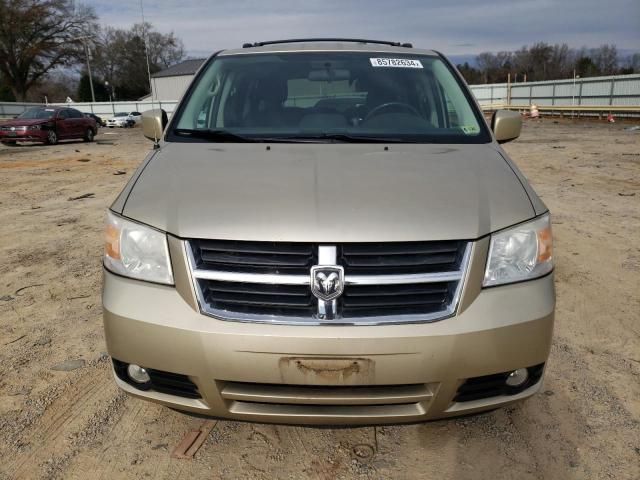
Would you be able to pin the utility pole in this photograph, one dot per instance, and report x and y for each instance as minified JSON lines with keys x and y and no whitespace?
{"x":108,"y":87}
{"x":86,"y":51}
{"x":573,"y":90}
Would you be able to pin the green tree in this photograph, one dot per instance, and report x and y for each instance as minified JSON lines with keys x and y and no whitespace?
{"x":84,"y":89}
{"x":470,"y":74}
{"x":586,"y":68}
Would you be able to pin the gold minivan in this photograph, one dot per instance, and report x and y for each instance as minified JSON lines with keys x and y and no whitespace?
{"x":328,"y":231}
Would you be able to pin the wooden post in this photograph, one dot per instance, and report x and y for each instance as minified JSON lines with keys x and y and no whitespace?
{"x":613,"y":83}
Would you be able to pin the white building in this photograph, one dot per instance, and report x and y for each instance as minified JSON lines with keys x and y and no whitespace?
{"x":170,"y":84}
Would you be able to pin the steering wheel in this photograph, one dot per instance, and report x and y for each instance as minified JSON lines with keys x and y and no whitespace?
{"x":391,"y":105}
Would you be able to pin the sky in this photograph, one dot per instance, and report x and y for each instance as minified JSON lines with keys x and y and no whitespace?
{"x":458,"y":28}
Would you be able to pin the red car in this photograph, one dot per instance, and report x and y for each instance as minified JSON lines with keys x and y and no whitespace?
{"x":48,"y":125}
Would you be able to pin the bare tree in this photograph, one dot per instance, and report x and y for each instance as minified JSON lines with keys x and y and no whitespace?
{"x":57,"y":87}
{"x":120,"y":57}
{"x":605,"y":58}
{"x":37,"y":36}
{"x":560,"y":62}
{"x":632,"y":63}
{"x":522,"y":65}
{"x":164,"y":49}
{"x":495,"y":67}
{"x":540,"y":56}
{"x":542,"y":61}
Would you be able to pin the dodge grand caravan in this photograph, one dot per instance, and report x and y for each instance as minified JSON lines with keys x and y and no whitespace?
{"x":328,"y":231}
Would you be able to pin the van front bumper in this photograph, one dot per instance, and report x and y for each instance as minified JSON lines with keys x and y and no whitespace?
{"x":329,"y":374}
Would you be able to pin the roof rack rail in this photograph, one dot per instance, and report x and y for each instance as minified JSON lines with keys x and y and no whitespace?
{"x":353,"y":40}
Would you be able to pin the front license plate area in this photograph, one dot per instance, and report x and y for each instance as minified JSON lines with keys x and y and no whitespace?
{"x":327,"y":371}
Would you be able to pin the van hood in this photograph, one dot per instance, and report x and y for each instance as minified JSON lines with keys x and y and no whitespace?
{"x":328,"y":192}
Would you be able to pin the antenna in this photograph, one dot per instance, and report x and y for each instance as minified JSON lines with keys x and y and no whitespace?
{"x":156,"y":145}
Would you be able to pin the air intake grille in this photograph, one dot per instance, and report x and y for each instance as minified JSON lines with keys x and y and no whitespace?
{"x":395,"y":282}
{"x":258,"y":298}
{"x":173,"y":384}
{"x":403,"y":299}
{"x":254,"y":257}
{"x":406,"y":257}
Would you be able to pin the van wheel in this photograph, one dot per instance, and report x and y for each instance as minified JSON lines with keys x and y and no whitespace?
{"x":88,"y":136}
{"x":52,"y":137}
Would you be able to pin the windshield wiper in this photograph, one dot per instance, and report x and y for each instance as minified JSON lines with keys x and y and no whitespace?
{"x":226,"y":136}
{"x":215,"y":135}
{"x":345,"y":138}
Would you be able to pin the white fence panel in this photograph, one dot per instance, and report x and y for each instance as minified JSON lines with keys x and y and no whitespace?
{"x":566,"y":90}
{"x":621,"y":90}
{"x":108,"y":109}
{"x":597,"y":91}
{"x":102,"y":109}
{"x":542,"y":91}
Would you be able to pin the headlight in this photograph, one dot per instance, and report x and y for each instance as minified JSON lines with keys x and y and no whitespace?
{"x":520,"y":253}
{"x":136,"y":251}
{"x":34,"y":127}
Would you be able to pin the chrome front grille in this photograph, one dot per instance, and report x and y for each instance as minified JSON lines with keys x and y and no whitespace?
{"x":254,"y":257}
{"x":400,"y":299}
{"x":258,"y":298}
{"x":384,"y":283}
{"x":400,"y":257}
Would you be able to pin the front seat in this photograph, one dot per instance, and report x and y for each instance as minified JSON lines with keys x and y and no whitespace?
{"x":267,"y":103}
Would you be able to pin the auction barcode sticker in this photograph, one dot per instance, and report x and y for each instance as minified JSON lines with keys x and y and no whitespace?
{"x":395,"y":62}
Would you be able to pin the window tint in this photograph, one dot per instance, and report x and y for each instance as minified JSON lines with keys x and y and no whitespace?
{"x":38,"y":113}
{"x":73,"y":113}
{"x":63,"y":114}
{"x":416,"y":98}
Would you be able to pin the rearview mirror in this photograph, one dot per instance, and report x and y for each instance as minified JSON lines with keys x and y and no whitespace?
{"x":506,"y":125}
{"x":329,"y":75}
{"x":153,"y":123}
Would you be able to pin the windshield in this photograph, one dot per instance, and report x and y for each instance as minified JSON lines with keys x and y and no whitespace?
{"x":37,"y":113}
{"x":344,"y":96}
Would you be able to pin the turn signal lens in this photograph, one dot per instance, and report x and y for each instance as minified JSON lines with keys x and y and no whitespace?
{"x":112,"y":241}
{"x":545,"y":245}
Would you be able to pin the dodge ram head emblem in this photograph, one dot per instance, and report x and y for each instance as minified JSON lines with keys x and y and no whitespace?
{"x":327,"y":282}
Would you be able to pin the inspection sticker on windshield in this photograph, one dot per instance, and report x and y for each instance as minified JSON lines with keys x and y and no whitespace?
{"x":470,"y":129}
{"x":395,"y":62}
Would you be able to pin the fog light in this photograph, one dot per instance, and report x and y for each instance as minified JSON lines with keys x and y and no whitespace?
{"x":138,"y":374}
{"x":517,"y":378}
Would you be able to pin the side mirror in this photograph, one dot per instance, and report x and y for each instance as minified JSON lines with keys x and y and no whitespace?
{"x":153,"y":123}
{"x":506,"y":125}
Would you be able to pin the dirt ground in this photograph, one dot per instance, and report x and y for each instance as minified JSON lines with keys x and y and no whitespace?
{"x":61,"y":415}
